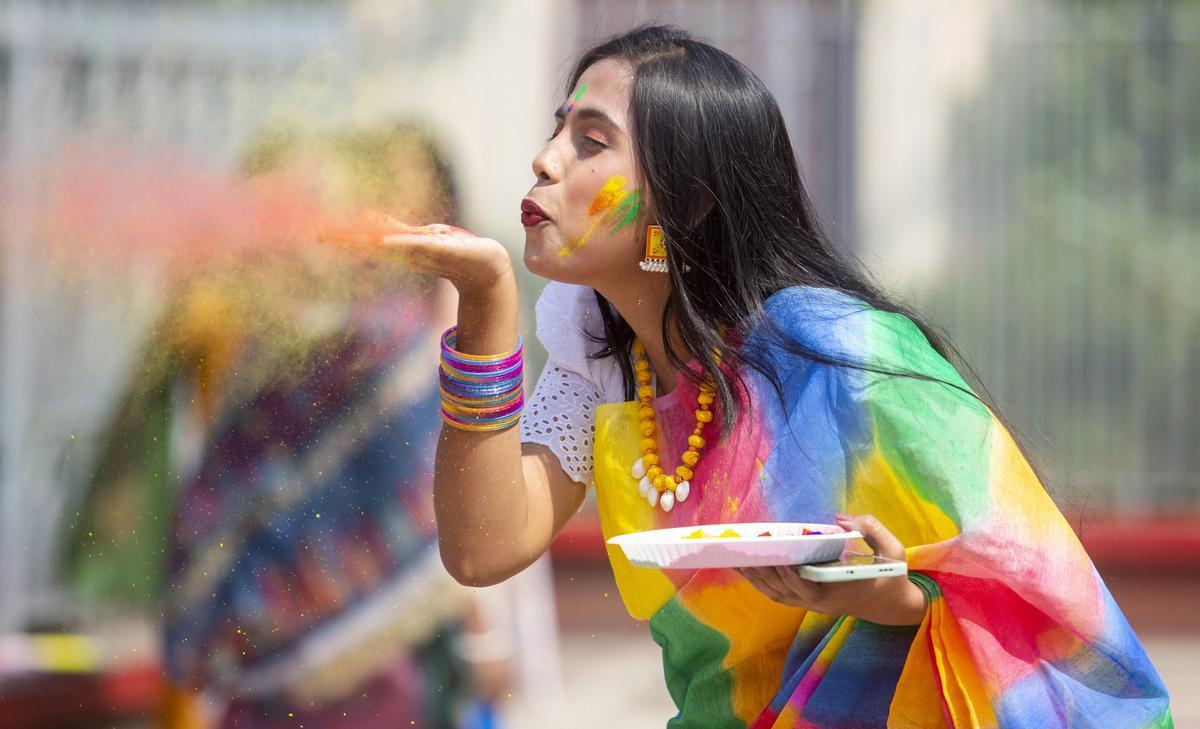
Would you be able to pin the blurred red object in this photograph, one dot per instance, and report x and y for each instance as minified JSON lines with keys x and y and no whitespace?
{"x":1150,"y":543}
{"x":65,"y":701}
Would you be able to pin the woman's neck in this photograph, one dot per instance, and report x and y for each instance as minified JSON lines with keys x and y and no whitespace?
{"x":641,"y":306}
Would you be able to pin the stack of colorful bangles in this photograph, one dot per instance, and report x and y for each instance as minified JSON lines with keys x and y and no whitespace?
{"x":481,"y":393}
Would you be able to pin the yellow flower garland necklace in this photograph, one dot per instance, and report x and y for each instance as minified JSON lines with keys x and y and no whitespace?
{"x":658,"y":487}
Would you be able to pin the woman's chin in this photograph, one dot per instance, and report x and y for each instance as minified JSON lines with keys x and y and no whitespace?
{"x":541,"y":252}
{"x":548,"y":264}
{"x":546,"y":256}
{"x":538,"y":263}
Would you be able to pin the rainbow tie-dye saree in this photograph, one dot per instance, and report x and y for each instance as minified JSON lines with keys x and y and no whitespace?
{"x":1020,"y":631}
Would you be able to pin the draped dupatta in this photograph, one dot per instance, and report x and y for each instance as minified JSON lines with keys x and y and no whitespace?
{"x":1020,"y":630}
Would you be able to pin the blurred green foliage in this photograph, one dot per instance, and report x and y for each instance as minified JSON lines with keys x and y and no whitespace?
{"x":1075,"y":287}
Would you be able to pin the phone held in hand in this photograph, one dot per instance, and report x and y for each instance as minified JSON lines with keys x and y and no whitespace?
{"x":853,"y":566}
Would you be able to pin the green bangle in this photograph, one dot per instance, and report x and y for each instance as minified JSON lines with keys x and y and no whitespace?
{"x":927,"y":585}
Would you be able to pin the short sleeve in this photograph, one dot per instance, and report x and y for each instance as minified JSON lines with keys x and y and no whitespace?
{"x":561,"y":415}
{"x":561,"y":412}
{"x":568,"y":320}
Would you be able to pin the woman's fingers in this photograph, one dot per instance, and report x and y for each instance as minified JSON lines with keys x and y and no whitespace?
{"x":370,"y":229}
{"x":810,"y":593}
{"x":755,"y":576}
{"x":361,"y":229}
{"x":878,"y":538}
{"x":450,"y":246}
{"x":767,"y":576}
{"x":777,"y":584}
{"x":440,"y":253}
{"x":431,"y":232}
{"x":468,"y":261}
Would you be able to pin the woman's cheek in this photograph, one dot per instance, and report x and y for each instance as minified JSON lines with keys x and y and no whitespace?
{"x":611,"y":208}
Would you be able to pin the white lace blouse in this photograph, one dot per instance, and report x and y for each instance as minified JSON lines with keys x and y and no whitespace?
{"x":561,"y":412}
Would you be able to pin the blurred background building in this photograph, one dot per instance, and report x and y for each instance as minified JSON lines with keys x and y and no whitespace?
{"x":1028,"y":172}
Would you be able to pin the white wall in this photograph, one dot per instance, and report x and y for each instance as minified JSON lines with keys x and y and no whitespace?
{"x":915,"y":58}
{"x":485,"y":75}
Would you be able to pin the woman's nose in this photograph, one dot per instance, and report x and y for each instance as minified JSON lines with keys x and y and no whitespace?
{"x":545,"y":166}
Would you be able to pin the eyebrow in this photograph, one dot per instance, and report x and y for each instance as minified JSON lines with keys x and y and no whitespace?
{"x":587,"y":113}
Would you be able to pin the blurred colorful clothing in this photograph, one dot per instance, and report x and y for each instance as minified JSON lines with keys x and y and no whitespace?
{"x":309,"y":524}
{"x":294,"y":549}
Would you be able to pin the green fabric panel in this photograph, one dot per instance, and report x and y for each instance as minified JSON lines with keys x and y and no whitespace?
{"x":927,"y":585}
{"x":936,"y":438}
{"x":693,"y":664}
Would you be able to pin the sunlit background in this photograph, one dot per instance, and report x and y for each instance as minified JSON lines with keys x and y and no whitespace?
{"x":1026,"y":172}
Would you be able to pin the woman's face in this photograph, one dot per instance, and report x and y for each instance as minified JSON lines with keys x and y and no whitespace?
{"x":591,"y":219}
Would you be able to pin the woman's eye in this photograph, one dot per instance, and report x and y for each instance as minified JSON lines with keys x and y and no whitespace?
{"x":594,"y":144}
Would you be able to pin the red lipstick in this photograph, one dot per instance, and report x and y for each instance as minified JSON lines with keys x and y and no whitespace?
{"x":531,"y":214}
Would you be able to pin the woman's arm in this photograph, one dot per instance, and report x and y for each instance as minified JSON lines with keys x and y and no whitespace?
{"x":498,"y":505}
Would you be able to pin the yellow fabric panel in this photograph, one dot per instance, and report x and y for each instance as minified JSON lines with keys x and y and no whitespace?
{"x":622,"y":511}
{"x":876,"y":489}
{"x":963,"y":692}
{"x":911,"y":707}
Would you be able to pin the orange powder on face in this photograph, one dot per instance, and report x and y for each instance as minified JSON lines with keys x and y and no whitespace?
{"x":609,"y":198}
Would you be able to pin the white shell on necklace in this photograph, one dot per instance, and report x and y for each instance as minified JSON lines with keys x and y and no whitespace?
{"x":666,"y":499}
{"x":644,"y":485}
{"x":639,"y":469}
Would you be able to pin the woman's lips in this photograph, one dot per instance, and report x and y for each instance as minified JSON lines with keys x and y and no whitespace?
{"x":531,"y":214}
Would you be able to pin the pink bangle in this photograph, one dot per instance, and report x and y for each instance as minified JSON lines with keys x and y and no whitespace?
{"x":478,"y":363}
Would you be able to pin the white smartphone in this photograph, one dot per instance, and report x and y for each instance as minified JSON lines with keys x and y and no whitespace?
{"x":853,"y":566}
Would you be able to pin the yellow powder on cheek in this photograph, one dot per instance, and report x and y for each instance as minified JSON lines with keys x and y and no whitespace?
{"x":611,"y":195}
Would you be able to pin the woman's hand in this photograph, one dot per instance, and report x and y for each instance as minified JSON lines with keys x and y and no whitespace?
{"x":884,"y":600}
{"x":473,"y":264}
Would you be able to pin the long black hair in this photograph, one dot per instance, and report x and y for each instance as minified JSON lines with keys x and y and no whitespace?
{"x":720,"y":177}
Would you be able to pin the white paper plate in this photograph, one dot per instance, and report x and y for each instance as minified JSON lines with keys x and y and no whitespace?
{"x":667,"y":548}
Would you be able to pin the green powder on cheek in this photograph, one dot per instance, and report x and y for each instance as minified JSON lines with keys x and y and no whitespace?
{"x":627,"y":211}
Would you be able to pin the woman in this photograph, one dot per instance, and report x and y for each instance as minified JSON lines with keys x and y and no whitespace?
{"x":276,"y":444}
{"x":713,"y":359}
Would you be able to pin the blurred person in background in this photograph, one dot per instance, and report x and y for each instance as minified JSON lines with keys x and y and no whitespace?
{"x":714,"y":359}
{"x":266,"y":482}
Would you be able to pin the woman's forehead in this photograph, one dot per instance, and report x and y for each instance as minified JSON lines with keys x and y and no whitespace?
{"x":606,"y":85}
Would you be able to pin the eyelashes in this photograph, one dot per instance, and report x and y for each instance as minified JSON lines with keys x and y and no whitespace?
{"x":588,"y":141}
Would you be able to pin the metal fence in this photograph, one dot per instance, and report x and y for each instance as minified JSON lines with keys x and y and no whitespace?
{"x":1075,"y":179}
